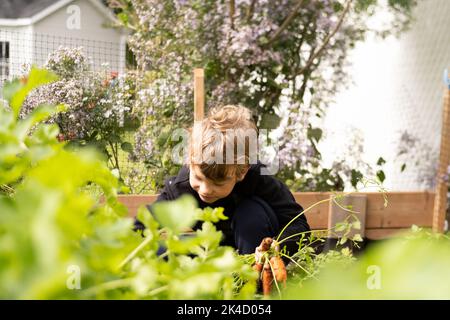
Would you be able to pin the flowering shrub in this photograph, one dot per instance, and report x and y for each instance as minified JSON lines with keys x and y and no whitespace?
{"x":283,"y":59}
{"x":68,"y":63}
{"x":346,"y":171}
{"x":99,"y":104}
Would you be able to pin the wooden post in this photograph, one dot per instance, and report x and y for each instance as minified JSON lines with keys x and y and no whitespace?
{"x":440,"y":201}
{"x":199,"y":94}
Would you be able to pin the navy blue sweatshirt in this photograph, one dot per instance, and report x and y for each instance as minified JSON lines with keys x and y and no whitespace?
{"x":274,"y":192}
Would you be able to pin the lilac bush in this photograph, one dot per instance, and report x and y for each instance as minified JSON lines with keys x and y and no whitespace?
{"x":99,"y":103}
{"x":282,"y":58}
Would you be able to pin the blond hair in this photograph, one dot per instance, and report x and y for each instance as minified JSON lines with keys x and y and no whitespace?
{"x":224,"y":143}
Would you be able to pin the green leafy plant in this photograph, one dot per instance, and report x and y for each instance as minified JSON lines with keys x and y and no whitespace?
{"x":191,"y":267}
{"x":57,"y":241}
{"x":48,"y":222}
{"x":411,"y":266}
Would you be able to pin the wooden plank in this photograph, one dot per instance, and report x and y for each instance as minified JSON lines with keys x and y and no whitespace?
{"x":404,"y":208}
{"x":318,"y":215}
{"x":385,"y":233}
{"x":376,"y":234}
{"x":440,"y":203}
{"x":133,"y":202}
{"x":199,"y":94}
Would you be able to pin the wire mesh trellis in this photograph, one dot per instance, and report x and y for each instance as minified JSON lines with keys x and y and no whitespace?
{"x":21,"y":49}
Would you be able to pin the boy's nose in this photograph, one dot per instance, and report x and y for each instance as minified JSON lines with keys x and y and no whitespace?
{"x":204,"y":189}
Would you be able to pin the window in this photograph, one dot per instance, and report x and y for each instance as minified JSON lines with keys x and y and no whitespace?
{"x":4,"y":59}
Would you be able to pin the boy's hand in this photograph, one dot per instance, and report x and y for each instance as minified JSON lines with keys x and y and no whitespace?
{"x":263,"y":248}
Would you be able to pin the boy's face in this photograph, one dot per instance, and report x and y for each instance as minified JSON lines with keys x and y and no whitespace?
{"x":208,"y":190}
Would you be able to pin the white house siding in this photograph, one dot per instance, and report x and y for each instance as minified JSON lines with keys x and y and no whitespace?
{"x":398,"y":85}
{"x":20,"y":48}
{"x":101,"y":44}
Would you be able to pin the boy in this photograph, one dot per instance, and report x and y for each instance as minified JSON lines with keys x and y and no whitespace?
{"x":258,"y":206}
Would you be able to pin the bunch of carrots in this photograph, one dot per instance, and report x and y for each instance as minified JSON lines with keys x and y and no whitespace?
{"x":269,"y":265}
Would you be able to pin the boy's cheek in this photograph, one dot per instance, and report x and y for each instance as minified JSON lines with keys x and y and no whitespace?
{"x":226,"y":190}
{"x":193,"y":184}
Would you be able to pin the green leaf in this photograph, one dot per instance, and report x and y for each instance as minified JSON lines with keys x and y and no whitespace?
{"x":380,"y":161}
{"x":337,"y":6}
{"x":210,"y":214}
{"x":131,"y":123}
{"x":189,"y":244}
{"x":209,"y":236}
{"x":357,"y":237}
{"x":114,"y":138}
{"x":10,"y":88}
{"x":356,"y":225}
{"x":123,"y":17}
{"x":398,"y":4}
{"x":36,"y":78}
{"x":41,"y":113}
{"x":356,"y":176}
{"x":381,"y":176}
{"x":340,"y":227}
{"x":127,"y":147}
{"x":403,"y":167}
{"x":146,"y":218}
{"x":269,"y":121}
{"x":363,"y":5}
{"x":168,"y":111}
{"x":164,"y":135}
{"x":176,"y":215}
{"x":314,"y":134}
{"x":346,"y":252}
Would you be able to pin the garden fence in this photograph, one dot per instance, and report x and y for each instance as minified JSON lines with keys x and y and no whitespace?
{"x":21,"y":49}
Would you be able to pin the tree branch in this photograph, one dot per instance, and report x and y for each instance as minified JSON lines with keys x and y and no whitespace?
{"x":286,"y":22}
{"x":250,"y":10}
{"x":327,"y":39}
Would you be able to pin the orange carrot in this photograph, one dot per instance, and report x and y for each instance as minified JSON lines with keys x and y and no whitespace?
{"x":267,"y":279}
{"x":258,"y":267}
{"x":279,"y":269}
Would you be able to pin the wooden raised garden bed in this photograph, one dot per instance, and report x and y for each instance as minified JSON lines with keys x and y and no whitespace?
{"x":404,"y":209}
